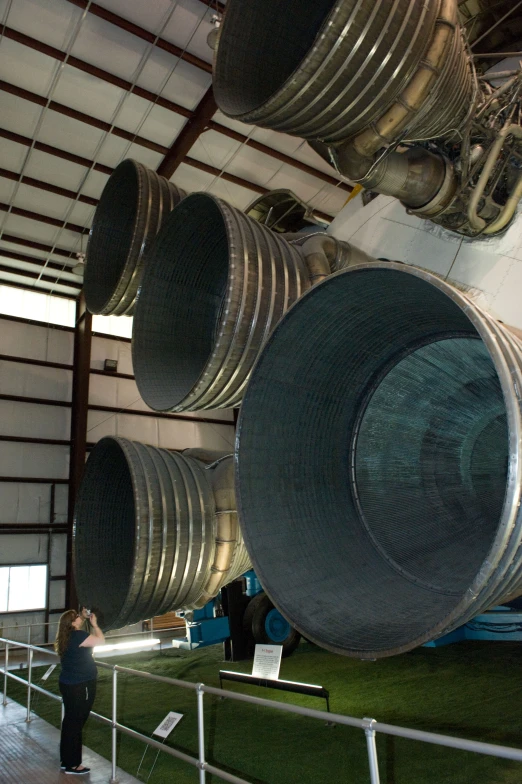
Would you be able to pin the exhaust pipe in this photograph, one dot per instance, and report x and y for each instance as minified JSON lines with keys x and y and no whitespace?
{"x":154,"y":531}
{"x":217,"y":284}
{"x":387,"y":510}
{"x":131,"y":211}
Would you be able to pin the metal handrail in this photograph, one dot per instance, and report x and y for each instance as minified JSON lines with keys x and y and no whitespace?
{"x":369,"y":726}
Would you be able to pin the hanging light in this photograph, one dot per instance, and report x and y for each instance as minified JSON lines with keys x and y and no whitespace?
{"x":213,"y":36}
{"x":79,"y":267}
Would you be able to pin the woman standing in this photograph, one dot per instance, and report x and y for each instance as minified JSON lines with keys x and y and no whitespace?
{"x":77,"y":684}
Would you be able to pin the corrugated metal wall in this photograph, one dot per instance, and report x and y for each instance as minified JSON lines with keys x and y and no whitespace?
{"x":35,"y":430}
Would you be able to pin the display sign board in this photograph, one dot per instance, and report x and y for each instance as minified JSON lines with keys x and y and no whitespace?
{"x":267,"y":661}
{"x":49,"y":671}
{"x":164,"y":729}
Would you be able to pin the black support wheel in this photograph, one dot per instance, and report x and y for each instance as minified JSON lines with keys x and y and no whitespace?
{"x":265,"y":624}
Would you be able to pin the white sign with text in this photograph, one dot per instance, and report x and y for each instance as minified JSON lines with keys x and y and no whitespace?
{"x":267,"y":662}
{"x":164,"y":729}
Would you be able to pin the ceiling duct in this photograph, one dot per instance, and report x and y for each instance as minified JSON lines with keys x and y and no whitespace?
{"x":154,"y":530}
{"x":217,"y":284}
{"x":386,"y":92}
{"x":131,"y":211}
{"x":384,"y":508}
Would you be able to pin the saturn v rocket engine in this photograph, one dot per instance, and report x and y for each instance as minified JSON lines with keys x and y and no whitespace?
{"x":388,"y":93}
{"x":379,"y":448}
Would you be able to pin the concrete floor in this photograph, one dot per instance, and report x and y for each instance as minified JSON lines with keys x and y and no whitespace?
{"x":29,"y":753}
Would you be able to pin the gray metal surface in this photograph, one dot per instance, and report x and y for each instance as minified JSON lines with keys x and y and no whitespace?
{"x":216,"y":285}
{"x":147,"y":533}
{"x":131,"y":211}
{"x":328,"y":69}
{"x":383,"y":509}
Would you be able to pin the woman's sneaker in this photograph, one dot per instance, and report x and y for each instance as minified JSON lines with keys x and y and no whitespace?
{"x":77,"y":771}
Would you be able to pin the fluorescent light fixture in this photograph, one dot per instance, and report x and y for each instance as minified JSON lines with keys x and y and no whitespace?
{"x":125,"y":646}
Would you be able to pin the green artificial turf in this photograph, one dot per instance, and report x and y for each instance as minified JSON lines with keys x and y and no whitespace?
{"x":470,"y":689}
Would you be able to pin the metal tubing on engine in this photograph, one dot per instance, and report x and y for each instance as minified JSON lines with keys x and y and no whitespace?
{"x":510,"y":129}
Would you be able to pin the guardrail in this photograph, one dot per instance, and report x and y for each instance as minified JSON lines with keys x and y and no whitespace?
{"x":370,"y":726}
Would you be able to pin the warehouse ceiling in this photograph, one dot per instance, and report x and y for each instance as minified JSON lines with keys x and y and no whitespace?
{"x":84,"y":85}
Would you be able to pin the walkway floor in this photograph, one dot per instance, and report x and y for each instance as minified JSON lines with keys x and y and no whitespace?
{"x":29,"y":753}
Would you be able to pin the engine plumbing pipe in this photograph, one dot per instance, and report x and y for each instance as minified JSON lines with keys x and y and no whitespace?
{"x":379,"y":461}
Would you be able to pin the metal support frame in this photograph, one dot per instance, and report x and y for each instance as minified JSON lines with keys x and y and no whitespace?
{"x":201,"y":732}
{"x":369,"y":726}
{"x":114,"y":730}
{"x":373,"y":761}
{"x":79,"y":412}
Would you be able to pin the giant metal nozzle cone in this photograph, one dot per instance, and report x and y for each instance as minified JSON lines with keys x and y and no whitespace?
{"x":332,"y":69}
{"x":216,"y":284}
{"x":131,"y":211}
{"x":154,"y":531}
{"x":379,"y":462}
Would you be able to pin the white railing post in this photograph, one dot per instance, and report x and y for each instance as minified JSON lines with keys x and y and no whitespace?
{"x":201,"y":733}
{"x":6,"y":664}
{"x":29,"y":679}
{"x":372,"y":750}
{"x":114,"y":730}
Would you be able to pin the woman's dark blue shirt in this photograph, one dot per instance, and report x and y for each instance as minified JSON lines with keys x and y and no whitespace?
{"x":77,"y":663}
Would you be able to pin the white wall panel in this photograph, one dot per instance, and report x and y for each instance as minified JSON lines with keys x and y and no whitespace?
{"x":103,"y":348}
{"x":61,"y":498}
{"x":51,"y":23}
{"x":14,"y":626}
{"x":123,"y":393}
{"x":58,"y":560}
{"x":12,"y":156}
{"x":33,"y":420}
{"x":34,"y":342}
{"x":18,"y":115}
{"x":34,"y":460}
{"x":119,"y":326}
{"x":26,"y":67}
{"x":25,"y":503}
{"x":491,"y":265}
{"x":23,"y":549}
{"x":35,"y":381}
{"x":57,"y":595}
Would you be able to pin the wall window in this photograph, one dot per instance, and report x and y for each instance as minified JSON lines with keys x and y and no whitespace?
{"x":23,"y":588}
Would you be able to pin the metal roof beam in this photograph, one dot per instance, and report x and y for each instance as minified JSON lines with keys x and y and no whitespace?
{"x":106,"y":76}
{"x":192,"y":130}
{"x":36,"y":216}
{"x":38,"y":276}
{"x":145,"y":35}
{"x":60,"y":108}
{"x":69,"y":254}
{"x":47,"y":186}
{"x":43,"y":290}
{"x":53,"y":265}
{"x":50,"y":150}
{"x":93,"y":70}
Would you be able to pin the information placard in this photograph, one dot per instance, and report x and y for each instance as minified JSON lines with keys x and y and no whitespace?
{"x":49,"y":671}
{"x":267,"y":661}
{"x":164,"y":729}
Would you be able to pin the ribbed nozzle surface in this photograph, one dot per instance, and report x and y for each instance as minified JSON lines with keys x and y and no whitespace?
{"x":131,"y":211}
{"x":216,"y":285}
{"x":383,"y":510}
{"x":327,"y":69}
{"x":154,"y":531}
